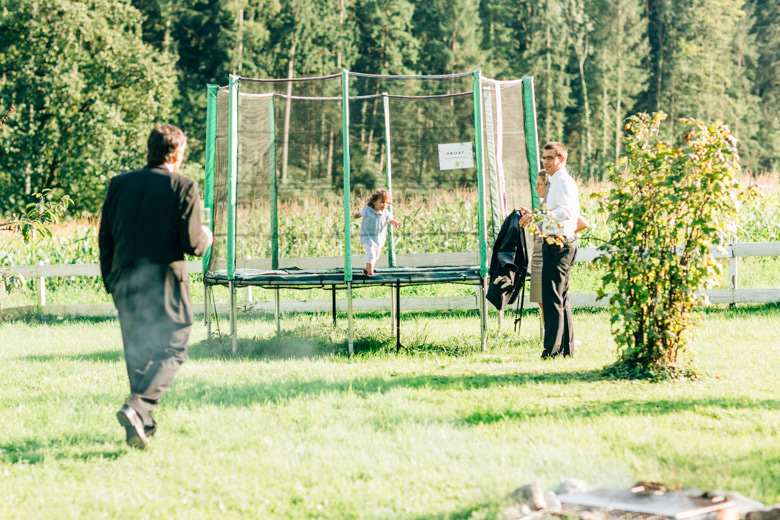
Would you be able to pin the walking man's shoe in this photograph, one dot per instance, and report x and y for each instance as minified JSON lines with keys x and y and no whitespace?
{"x":134,"y":426}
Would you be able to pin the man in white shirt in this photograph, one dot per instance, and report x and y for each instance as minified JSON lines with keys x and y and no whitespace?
{"x":558,"y":251}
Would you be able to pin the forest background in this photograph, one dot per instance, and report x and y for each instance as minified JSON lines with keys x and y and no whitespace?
{"x":83,"y":80}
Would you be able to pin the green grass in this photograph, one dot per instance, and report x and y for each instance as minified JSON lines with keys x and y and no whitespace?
{"x":295,"y":429}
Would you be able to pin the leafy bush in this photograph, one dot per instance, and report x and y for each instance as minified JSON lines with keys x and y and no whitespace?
{"x":669,"y":206}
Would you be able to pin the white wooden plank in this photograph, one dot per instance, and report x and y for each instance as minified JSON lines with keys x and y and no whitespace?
{"x":587,"y":254}
{"x":757,"y":249}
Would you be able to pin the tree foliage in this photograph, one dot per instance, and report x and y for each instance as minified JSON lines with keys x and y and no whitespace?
{"x":86,"y":90}
{"x":670,"y":205}
{"x":87,"y":77}
{"x":34,"y":222}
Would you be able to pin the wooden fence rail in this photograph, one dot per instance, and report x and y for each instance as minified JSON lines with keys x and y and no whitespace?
{"x":731,"y":295}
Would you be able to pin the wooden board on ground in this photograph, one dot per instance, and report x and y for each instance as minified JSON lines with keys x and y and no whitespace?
{"x":671,"y":505}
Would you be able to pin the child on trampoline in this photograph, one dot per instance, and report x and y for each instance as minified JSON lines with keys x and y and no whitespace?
{"x":373,"y":230}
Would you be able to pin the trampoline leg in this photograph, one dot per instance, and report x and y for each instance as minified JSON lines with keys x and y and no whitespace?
{"x":350,"y":345}
{"x":233,"y":333}
{"x":483,"y":313}
{"x":207,"y":310}
{"x":392,"y":309}
{"x":398,"y":316}
{"x":277,"y":311}
{"x":500,"y":319}
{"x":333,"y":293}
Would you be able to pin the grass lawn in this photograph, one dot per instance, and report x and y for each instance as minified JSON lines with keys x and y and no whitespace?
{"x":295,"y":429}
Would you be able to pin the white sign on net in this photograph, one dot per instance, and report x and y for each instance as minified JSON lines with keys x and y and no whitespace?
{"x":453,"y":156}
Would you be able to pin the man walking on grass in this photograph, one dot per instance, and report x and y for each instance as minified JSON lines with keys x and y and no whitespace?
{"x":151,"y":218}
{"x":558,"y":251}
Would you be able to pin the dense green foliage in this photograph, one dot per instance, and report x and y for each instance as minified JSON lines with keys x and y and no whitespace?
{"x":670,"y":204}
{"x":85,"y":89}
{"x":87,"y":77}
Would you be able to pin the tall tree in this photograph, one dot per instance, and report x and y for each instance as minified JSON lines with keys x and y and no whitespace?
{"x":529,"y":38}
{"x":617,"y":76}
{"x":766,"y":73}
{"x":86,"y":91}
{"x":449,"y":32}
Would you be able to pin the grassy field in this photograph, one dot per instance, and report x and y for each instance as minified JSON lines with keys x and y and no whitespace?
{"x":293,"y":428}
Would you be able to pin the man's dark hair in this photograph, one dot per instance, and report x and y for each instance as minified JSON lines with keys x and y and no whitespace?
{"x":558,"y":148}
{"x":163,"y":143}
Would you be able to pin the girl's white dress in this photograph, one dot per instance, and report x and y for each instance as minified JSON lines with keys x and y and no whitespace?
{"x":373,"y":231}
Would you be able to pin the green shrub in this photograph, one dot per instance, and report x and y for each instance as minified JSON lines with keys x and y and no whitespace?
{"x":669,"y":206}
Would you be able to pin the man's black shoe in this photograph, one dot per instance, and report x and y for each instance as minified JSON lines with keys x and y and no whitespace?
{"x":150,"y":430}
{"x":134,"y":426}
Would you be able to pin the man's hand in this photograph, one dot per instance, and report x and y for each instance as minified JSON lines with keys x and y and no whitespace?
{"x":526,"y":219}
{"x":208,"y":234}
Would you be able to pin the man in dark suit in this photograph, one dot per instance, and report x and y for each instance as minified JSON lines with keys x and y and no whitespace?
{"x":151,"y":218}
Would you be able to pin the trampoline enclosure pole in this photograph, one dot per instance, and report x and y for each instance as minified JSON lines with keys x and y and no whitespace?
{"x":483,"y":269}
{"x":211,"y":149}
{"x":531,"y":136}
{"x":232,"y":187}
{"x":208,"y":191}
{"x":347,"y":213}
{"x":232,"y":175}
{"x":389,"y":174}
{"x":272,"y":182}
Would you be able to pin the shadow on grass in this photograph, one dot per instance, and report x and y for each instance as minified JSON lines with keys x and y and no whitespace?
{"x":279,"y":392}
{"x":31,"y":451}
{"x":301,"y":343}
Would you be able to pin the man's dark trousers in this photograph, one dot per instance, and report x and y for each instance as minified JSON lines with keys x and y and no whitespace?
{"x":154,"y":315}
{"x":556,"y":266}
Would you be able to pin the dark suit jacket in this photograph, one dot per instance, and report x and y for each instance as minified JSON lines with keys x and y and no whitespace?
{"x":510,"y":259}
{"x":151,"y":217}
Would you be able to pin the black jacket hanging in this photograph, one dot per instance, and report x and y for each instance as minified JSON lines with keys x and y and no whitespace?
{"x":509,"y":263}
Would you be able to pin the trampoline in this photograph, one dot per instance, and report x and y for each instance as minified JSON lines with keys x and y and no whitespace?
{"x":285,"y":156}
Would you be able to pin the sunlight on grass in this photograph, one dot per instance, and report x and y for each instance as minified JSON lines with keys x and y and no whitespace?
{"x":293,"y":428}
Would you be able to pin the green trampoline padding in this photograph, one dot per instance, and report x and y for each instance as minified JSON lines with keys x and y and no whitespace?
{"x":334,"y":278}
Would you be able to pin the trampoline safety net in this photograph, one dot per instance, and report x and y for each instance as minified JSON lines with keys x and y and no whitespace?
{"x":288,"y":162}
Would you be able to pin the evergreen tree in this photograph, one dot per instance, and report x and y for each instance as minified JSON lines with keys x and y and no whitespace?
{"x":617,"y":77}
{"x":448,"y":31}
{"x":765,"y":68}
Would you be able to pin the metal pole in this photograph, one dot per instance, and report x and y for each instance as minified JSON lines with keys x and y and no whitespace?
{"x":477,"y":86}
{"x":398,"y":316}
{"x":233,"y":332}
{"x":207,"y":310}
{"x":333,"y":294}
{"x":483,"y":313}
{"x":350,"y":345}
{"x":393,"y":309}
{"x":277,"y":311}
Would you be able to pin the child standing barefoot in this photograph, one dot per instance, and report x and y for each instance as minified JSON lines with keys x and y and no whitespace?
{"x":373,"y":230}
